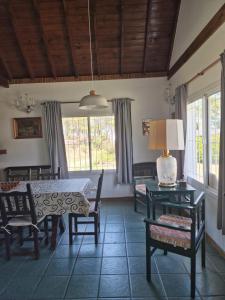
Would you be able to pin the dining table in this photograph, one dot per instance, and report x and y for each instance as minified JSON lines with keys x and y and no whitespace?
{"x":58,"y":197}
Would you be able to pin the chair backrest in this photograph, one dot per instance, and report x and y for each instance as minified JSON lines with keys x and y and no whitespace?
{"x":17,"y":204}
{"x":18,"y":177}
{"x":24,"y":172}
{"x":49,"y":175}
{"x":144,"y":169}
{"x":99,"y":190}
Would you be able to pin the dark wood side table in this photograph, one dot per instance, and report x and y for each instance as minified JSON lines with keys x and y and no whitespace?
{"x":176,"y":194}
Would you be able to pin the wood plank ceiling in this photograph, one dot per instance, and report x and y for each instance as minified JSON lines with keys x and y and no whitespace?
{"x":47,"y":40}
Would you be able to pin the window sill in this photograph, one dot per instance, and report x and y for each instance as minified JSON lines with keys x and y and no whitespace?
{"x":195,"y":183}
{"x":108,"y":171}
{"x":212,"y":192}
{"x":199,"y":185}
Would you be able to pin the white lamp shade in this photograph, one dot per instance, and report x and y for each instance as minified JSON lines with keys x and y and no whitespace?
{"x":93,"y":101}
{"x":166,"y":134}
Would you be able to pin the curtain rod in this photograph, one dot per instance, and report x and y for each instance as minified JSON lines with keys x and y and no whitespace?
{"x":71,"y":102}
{"x":201,"y":73}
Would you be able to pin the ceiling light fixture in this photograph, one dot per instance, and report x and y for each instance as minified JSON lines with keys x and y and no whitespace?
{"x":25,"y":103}
{"x":92,"y":101}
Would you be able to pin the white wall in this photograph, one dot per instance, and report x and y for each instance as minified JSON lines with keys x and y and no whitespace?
{"x":194,"y":15}
{"x":149,"y":103}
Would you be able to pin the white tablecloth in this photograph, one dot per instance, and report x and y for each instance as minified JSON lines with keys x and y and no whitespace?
{"x":56,"y":197}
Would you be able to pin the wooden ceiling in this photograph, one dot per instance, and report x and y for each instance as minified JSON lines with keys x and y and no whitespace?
{"x":47,"y":40}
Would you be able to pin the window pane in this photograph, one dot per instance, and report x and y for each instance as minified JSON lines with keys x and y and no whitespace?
{"x":194,"y":148}
{"x":76,"y":141}
{"x":102,"y":142}
{"x":214,"y":138}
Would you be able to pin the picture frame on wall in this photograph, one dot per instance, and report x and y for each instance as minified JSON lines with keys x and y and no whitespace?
{"x":146,"y":127}
{"x":27,"y":128}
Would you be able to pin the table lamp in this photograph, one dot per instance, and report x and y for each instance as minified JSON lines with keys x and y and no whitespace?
{"x":166,"y":135}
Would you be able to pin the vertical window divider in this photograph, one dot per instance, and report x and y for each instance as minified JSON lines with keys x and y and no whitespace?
{"x":205,"y":140}
{"x":89,"y":142}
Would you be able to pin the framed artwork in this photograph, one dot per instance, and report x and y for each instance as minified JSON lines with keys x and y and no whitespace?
{"x":27,"y":128}
{"x":146,"y":126}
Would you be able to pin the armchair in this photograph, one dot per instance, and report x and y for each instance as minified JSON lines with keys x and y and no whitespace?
{"x":182,"y":235}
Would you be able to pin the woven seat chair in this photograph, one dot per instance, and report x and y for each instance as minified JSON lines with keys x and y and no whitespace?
{"x":182,"y":235}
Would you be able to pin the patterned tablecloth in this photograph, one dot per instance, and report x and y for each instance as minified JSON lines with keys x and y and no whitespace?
{"x":56,"y":197}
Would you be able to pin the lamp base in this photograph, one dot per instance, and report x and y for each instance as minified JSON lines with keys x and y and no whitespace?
{"x":166,"y":170}
{"x":162,"y":184}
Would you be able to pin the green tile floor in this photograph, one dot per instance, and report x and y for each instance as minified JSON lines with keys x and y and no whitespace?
{"x":115,"y":269}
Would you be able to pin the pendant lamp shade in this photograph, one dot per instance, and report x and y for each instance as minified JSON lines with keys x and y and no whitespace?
{"x":93,"y":101}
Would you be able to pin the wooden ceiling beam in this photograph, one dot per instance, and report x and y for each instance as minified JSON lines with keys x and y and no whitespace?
{"x":173,"y":33}
{"x":148,"y":13}
{"x":93,"y":34}
{"x":88,"y":77}
{"x":44,"y":38}
{"x":69,"y":36}
{"x":18,"y":40}
{"x":3,"y":81}
{"x":121,"y":35}
{"x":217,"y":20}
{"x":6,"y":67}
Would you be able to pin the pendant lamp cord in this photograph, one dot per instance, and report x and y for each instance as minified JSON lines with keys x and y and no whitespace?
{"x":90,"y":45}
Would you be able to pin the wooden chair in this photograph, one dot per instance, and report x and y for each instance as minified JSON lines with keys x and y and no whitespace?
{"x":18,"y":211}
{"x":49,"y":175}
{"x":22,"y":175}
{"x":177,"y":234}
{"x":30,"y":172}
{"x":141,"y":172}
{"x":94,"y":212}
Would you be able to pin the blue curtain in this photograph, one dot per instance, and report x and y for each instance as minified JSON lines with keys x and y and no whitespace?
{"x":55,"y":138}
{"x":123,"y":137}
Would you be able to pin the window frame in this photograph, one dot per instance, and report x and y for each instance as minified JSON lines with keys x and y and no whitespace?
{"x":97,"y":171}
{"x":205,"y":94}
{"x":196,"y":150}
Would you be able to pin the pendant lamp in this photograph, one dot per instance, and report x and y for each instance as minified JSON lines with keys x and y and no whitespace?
{"x":92,"y":101}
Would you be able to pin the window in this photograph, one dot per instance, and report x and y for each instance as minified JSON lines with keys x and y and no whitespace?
{"x":203,"y":138}
{"x":195,"y":140}
{"x":90,"y":143}
{"x":213,"y":138}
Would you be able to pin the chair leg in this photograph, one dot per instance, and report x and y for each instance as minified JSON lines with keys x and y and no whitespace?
{"x":193,"y":274}
{"x":62,"y":225}
{"x":203,"y":251}
{"x":148,"y":264}
{"x":7,"y":246}
{"x":96,"y":228}
{"x":30,"y":231}
{"x":46,"y":231}
{"x":148,"y":257}
{"x":36,"y":244}
{"x":99,"y":218}
{"x":70,"y":229}
{"x":135,"y":203}
{"x":75,"y":224}
{"x":20,"y":233}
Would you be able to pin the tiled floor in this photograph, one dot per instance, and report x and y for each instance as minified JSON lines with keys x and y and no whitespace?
{"x":115,"y":269}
